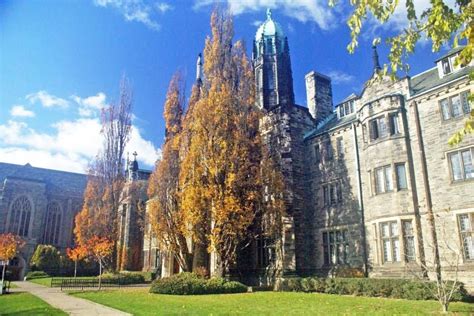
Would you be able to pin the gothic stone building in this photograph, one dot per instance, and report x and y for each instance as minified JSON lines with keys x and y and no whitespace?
{"x":39,"y":205}
{"x":365,"y":176}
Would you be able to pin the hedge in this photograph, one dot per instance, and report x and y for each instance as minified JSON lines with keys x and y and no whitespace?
{"x":191,"y":284}
{"x":393,"y":288}
{"x":36,"y":275}
{"x":125,"y":278}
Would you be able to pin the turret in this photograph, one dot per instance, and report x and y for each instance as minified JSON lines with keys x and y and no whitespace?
{"x":272,"y":66}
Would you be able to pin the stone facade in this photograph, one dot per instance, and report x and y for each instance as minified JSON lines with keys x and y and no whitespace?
{"x":365,"y":177}
{"x":39,"y":205}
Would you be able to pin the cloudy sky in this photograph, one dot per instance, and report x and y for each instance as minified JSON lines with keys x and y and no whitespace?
{"x":61,"y":62}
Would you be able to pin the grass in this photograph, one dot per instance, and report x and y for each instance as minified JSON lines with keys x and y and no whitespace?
{"x":26,"y":304}
{"x":140,"y":302}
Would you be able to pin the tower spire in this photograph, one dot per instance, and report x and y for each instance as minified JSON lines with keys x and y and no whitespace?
{"x":269,"y":14}
{"x":375,"y":59}
{"x":199,"y":68}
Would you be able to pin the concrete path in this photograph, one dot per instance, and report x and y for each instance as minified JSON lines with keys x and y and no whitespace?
{"x":69,"y":304}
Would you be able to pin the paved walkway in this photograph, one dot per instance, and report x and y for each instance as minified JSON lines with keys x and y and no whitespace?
{"x":69,"y":304}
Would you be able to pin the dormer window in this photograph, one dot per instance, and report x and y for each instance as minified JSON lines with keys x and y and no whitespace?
{"x":447,"y":69}
{"x":346,"y":108}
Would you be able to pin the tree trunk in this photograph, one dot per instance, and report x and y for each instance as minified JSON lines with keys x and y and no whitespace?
{"x":3,"y":277}
{"x":75,"y":269}
{"x":445,"y":307}
{"x":100,"y":274}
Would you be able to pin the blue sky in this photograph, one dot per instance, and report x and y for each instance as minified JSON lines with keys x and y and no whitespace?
{"x":61,"y":61}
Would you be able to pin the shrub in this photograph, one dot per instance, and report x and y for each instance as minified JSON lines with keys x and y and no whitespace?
{"x":125,"y":277}
{"x":45,"y":257}
{"x":191,"y":284}
{"x":36,"y":275}
{"x":394,"y":288}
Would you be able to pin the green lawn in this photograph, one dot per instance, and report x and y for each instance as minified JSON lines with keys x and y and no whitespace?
{"x":140,"y":302}
{"x":42,"y":281}
{"x":25,"y":304}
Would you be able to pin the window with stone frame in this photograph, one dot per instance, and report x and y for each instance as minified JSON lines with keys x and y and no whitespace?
{"x":389,"y":237}
{"x":328,"y":151}
{"x":461,"y":165}
{"x":394,"y":124}
{"x":447,"y":69}
{"x":332,"y":193}
{"x":20,"y":216}
{"x":317,"y":153}
{"x":378,"y":128}
{"x":53,"y":224}
{"x":401,"y":176}
{"x":455,"y":106}
{"x":383,"y":179}
{"x":340,"y":146}
{"x":408,"y":240}
{"x":466,"y":232}
{"x":346,"y":108}
{"x":335,"y":247}
{"x":265,"y":251}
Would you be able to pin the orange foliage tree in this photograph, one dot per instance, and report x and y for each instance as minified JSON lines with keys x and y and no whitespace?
{"x":76,"y":254}
{"x":100,"y":249}
{"x":221,"y":180}
{"x":164,"y":205}
{"x":9,"y":246}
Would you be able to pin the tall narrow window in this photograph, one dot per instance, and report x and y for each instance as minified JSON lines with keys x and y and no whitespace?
{"x":329,"y":153}
{"x":390,"y":241}
{"x":456,"y":106}
{"x":408,"y":240}
{"x":466,"y":224}
{"x":466,"y":107}
{"x":317,"y":154}
{"x":53,"y":224}
{"x":20,"y":217}
{"x":340,"y":146}
{"x":382,"y":127}
{"x":445,"y":109}
{"x":326,"y":195}
{"x":335,"y":247}
{"x":383,"y":179}
{"x":401,"y":177}
{"x":374,"y":130}
{"x":394,"y":128}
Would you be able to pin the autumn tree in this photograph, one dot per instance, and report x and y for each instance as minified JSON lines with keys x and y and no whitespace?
{"x":10,"y":245}
{"x":100,"y":249}
{"x":164,"y":205}
{"x":98,"y":216}
{"x":220,"y":179}
{"x":76,"y":254}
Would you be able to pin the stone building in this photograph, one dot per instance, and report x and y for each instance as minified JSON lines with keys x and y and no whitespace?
{"x":368,"y":178}
{"x":39,"y":205}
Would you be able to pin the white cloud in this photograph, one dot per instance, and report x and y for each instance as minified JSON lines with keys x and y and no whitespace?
{"x":47,"y":100}
{"x":20,"y":111}
{"x":163,"y":7}
{"x":136,"y":10}
{"x":71,"y":145}
{"x":257,"y":23}
{"x":91,"y":105}
{"x":340,"y":77}
{"x":316,"y":11}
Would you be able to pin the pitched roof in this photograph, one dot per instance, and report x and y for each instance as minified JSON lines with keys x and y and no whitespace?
{"x":331,"y":124}
{"x":430,"y":79}
{"x":61,"y":181}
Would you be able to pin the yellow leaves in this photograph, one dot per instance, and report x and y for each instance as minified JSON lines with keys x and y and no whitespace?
{"x":78,"y":253}
{"x":10,"y":245}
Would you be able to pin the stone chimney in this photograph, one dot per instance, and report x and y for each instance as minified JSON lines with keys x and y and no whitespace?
{"x":319,"y":95}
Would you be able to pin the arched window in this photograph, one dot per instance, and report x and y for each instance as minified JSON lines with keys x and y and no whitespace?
{"x":20,"y":216}
{"x":53,"y":224}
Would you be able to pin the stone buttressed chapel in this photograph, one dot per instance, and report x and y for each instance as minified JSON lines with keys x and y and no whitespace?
{"x":363,"y":176}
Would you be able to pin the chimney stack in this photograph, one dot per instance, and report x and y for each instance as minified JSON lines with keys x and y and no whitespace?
{"x":318,"y":95}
